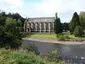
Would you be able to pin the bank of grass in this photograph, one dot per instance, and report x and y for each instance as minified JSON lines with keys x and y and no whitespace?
{"x":52,"y":36}
{"x":42,"y":36}
{"x":73,"y":38}
{"x":22,"y":57}
{"x":70,"y":37}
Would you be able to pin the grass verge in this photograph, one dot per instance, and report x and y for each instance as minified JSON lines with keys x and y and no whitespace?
{"x":52,"y":36}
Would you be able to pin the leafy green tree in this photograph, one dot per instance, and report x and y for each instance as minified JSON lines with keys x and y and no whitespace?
{"x":78,"y":31}
{"x":13,"y":35}
{"x":57,"y":25}
{"x":74,"y":22}
{"x":82,"y":19}
{"x":20,"y":25}
{"x":11,"y":26}
{"x":2,"y":36}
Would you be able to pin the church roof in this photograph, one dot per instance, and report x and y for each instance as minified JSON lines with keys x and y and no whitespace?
{"x":41,"y":19}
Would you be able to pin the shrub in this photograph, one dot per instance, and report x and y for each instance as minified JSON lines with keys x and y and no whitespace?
{"x":61,"y":38}
{"x":53,"y":56}
{"x":66,"y":37}
{"x":21,"y":57}
{"x":78,"y":31}
{"x":33,"y":48}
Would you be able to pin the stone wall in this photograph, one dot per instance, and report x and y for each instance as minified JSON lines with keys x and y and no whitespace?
{"x":39,"y":25}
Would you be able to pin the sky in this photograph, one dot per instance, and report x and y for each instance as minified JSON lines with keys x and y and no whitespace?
{"x":43,"y":8}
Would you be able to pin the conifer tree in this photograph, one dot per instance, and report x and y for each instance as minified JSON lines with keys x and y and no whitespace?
{"x":57,"y":25}
{"x":74,"y":22}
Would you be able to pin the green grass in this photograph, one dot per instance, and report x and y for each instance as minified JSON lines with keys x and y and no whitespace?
{"x":42,"y":36}
{"x":53,"y":36}
{"x":72,"y":37}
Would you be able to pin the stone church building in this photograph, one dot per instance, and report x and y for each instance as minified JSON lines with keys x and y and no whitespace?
{"x":40,"y":24}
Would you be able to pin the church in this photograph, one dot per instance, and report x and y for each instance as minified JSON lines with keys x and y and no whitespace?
{"x":39,"y":24}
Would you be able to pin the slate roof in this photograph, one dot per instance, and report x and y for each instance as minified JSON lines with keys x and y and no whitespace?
{"x":41,"y":19}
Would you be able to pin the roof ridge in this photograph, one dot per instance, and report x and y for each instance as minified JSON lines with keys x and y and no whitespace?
{"x":40,"y":17}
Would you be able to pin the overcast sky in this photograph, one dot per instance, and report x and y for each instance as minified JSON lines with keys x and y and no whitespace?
{"x":47,"y":8}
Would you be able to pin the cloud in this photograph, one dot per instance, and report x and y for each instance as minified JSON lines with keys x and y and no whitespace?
{"x":61,"y":6}
{"x":11,"y":5}
{"x":14,"y":2}
{"x":65,"y":8}
{"x":30,"y":8}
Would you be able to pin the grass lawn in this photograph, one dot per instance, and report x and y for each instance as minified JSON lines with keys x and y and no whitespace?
{"x":72,"y":37}
{"x":43,"y":36}
{"x":52,"y":36}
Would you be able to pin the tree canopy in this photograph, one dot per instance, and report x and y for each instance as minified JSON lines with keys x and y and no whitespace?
{"x":57,"y":25}
{"x":74,"y":22}
{"x":82,"y":19}
{"x":10,"y":30}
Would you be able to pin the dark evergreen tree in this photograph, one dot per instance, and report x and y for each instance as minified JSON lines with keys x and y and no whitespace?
{"x":57,"y":25}
{"x":2,"y":18}
{"x":65,"y":26}
{"x":74,"y":22}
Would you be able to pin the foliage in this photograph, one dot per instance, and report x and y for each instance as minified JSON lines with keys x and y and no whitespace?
{"x":32,"y":48}
{"x":53,"y":56}
{"x":10,"y":30}
{"x":16,"y":16}
{"x":78,"y":31}
{"x":10,"y":34}
{"x":21,"y":57}
{"x":62,"y":37}
{"x":57,"y":26}
{"x":74,"y":22}
{"x":2,"y":18}
{"x":82,"y":19}
{"x":65,"y":26}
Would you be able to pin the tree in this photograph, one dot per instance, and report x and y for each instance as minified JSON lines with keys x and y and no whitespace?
{"x":57,"y":25}
{"x":2,"y":36}
{"x":13,"y":33}
{"x":10,"y":30}
{"x":65,"y":26}
{"x":2,"y":18}
{"x":74,"y":22}
{"x":10,"y":34}
{"x":82,"y":19}
{"x":78,"y":31}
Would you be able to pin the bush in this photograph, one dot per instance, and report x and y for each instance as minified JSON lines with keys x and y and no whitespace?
{"x":53,"y":56}
{"x":61,"y":38}
{"x":21,"y":57}
{"x":32,"y":48}
{"x":78,"y":31}
{"x":58,"y":35}
{"x":66,"y":37}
